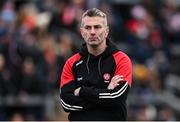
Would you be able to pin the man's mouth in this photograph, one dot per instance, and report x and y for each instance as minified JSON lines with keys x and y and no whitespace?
{"x":92,"y":39}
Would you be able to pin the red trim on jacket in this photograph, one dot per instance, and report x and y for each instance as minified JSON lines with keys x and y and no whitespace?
{"x":123,"y":66}
{"x":67,"y":74}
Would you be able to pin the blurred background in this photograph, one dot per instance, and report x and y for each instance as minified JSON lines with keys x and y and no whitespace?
{"x":37,"y":36}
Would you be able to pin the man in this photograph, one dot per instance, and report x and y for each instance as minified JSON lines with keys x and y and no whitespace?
{"x":95,"y":82}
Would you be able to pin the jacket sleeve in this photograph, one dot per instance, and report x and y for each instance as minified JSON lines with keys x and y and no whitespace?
{"x":69,"y":101}
{"x":106,"y":97}
{"x":119,"y":94}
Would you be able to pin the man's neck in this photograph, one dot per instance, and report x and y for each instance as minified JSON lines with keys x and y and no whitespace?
{"x":96,"y":50}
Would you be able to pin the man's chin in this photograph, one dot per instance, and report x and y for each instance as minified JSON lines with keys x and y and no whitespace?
{"x":93,"y":44}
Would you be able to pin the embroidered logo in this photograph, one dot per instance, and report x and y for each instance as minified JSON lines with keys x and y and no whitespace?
{"x":80,"y":62}
{"x":106,"y":77}
{"x":80,"y":78}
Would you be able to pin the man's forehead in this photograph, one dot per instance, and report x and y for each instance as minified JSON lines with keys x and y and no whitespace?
{"x":93,"y":20}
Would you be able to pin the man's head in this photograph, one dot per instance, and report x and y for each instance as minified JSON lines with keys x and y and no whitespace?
{"x":94,"y":27}
{"x":94,"y":12}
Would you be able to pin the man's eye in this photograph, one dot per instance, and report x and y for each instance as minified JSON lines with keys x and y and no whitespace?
{"x":97,"y":27}
{"x":87,"y":27}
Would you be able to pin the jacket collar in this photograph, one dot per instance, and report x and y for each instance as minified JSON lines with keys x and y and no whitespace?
{"x":111,"y":49}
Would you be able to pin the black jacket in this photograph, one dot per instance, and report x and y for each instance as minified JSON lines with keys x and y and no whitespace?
{"x":93,"y":74}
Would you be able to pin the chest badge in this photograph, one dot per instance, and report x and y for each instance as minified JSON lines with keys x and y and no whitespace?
{"x":107,"y":77}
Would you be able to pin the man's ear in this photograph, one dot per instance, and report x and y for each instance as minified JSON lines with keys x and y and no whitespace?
{"x":107,"y":31}
{"x":81,"y":31}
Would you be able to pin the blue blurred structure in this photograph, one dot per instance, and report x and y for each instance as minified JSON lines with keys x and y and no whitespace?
{"x":37,"y":36}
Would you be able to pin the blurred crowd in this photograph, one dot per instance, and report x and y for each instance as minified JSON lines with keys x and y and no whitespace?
{"x":37,"y":36}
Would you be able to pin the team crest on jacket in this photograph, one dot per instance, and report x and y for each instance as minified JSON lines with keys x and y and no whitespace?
{"x":106,"y":77}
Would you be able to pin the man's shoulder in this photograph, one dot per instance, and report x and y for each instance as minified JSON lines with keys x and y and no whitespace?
{"x":120,"y":53}
{"x":74,"y":58}
{"x":121,"y":56}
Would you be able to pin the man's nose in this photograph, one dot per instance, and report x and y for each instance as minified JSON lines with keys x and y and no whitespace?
{"x":93,"y":31}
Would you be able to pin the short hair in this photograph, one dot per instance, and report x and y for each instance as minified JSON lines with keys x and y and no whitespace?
{"x":94,"y":12}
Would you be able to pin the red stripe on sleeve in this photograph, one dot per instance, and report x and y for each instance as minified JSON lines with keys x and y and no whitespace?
{"x":67,"y":74}
{"x":123,"y":66}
